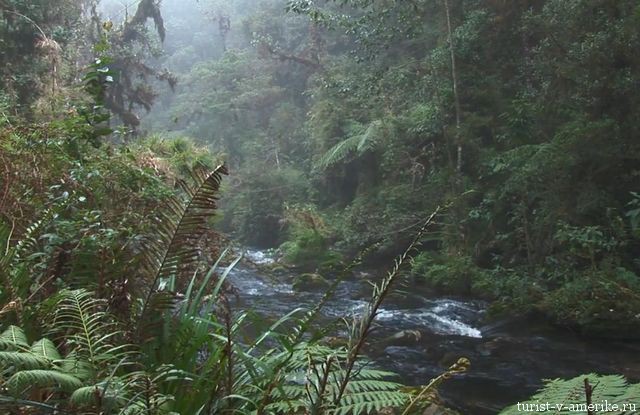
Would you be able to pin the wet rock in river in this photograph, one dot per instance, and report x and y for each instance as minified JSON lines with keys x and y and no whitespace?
{"x":401,"y":338}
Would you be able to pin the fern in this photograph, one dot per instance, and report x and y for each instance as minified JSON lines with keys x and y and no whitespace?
{"x":33,"y":368}
{"x":21,"y":356}
{"x":13,"y":338}
{"x":172,"y":251}
{"x":24,"y":380}
{"x":339,"y":152}
{"x":360,"y":329}
{"x":354,"y":145}
{"x":570,"y":396}
{"x":311,"y":381}
{"x":86,"y":328}
{"x":45,"y":349}
{"x":13,"y":361}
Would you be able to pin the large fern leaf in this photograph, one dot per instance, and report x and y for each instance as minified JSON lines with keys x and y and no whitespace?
{"x":13,"y":338}
{"x":354,"y":145}
{"x":304,"y":387}
{"x":339,"y":152}
{"x":95,"y":342}
{"x":108,"y":394}
{"x":172,"y":251}
{"x":14,"y":361}
{"x":25,"y":380}
{"x":569,"y":396}
{"x":45,"y":349}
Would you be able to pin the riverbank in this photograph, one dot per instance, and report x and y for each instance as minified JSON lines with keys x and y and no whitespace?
{"x":509,"y":357}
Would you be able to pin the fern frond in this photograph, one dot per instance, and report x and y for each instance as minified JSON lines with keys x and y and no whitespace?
{"x":77,"y":367}
{"x":313,"y":375}
{"x":87,"y":329}
{"x":376,"y":403}
{"x":360,"y":329}
{"x":104,"y":393}
{"x":80,"y":314}
{"x":371,"y":137}
{"x":45,"y":349}
{"x":85,"y":396}
{"x":357,"y":144}
{"x":339,"y":152}
{"x":632,"y":395}
{"x":172,"y":250}
{"x":569,"y":396}
{"x":13,"y":338}
{"x":23,"y":361}
{"x":25,"y":380}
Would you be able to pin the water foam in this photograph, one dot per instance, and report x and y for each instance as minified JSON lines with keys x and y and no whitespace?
{"x":446,"y":325}
{"x":259,"y":257}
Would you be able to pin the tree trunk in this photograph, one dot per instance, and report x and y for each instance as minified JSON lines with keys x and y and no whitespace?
{"x":456,"y":97}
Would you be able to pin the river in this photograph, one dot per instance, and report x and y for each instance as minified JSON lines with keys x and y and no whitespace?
{"x":509,"y":358}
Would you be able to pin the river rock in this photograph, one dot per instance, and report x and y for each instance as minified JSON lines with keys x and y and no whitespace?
{"x":401,"y":338}
{"x":310,"y":282}
{"x":435,"y":409}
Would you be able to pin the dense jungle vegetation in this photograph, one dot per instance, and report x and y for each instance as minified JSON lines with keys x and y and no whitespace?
{"x":346,"y":123}
{"x":480,"y":149}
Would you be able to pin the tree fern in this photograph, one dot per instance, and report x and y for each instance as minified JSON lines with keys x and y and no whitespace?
{"x":354,"y":145}
{"x":570,"y":396}
{"x":339,"y":152}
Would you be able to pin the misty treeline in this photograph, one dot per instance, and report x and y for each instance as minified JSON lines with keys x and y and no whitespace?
{"x":346,"y":123}
{"x":503,"y":133}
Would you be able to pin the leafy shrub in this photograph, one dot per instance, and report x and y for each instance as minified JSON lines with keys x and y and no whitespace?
{"x":309,"y":240}
{"x":601,"y":301}
{"x":453,"y":274}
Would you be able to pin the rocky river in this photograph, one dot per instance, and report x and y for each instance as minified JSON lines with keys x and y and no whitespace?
{"x":420,"y":337}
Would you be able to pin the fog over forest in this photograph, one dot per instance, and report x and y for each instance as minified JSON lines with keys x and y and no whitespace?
{"x":412,"y":207}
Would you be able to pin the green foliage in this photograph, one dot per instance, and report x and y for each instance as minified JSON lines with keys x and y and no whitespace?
{"x":346,"y":122}
{"x":571,"y":396}
{"x":449,"y":274}
{"x":586,"y":242}
{"x":171,"y":253}
{"x":36,"y":367}
{"x":369,"y":390}
{"x":544,"y":128}
{"x":308,"y":240}
{"x":35,"y":36}
{"x":598,"y":300}
{"x":357,"y":144}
